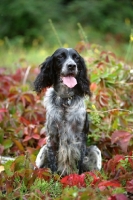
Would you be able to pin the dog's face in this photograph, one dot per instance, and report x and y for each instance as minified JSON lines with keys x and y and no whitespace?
{"x":65,"y":66}
{"x":66,"y":60}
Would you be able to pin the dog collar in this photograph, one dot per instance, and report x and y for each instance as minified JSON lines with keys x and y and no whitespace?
{"x":65,"y":99}
{"x":67,"y":95}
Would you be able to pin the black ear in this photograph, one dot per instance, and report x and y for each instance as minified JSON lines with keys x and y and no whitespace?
{"x":83,"y":80}
{"x":46,"y":75}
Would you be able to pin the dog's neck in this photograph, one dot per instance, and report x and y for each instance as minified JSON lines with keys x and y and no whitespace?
{"x":63,"y":91}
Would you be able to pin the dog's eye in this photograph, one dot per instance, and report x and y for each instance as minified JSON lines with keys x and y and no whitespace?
{"x":75,"y":57}
{"x":60,"y":56}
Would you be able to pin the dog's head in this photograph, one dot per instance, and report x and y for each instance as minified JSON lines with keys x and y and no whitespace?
{"x":65,"y":66}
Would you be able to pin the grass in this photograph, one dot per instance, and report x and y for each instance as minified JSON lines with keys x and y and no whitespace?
{"x":12,"y":57}
{"x":14,"y":54}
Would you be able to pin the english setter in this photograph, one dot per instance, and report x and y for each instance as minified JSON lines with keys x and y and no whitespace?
{"x":67,"y":123}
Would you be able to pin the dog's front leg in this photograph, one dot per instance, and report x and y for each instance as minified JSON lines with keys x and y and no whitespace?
{"x":82,"y":154}
{"x":52,"y":160}
{"x":46,"y":157}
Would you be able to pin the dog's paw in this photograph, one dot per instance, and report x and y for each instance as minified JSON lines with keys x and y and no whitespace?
{"x":42,"y":158}
{"x":92,"y":159}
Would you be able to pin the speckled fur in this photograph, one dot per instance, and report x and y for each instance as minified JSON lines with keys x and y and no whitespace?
{"x":67,"y":123}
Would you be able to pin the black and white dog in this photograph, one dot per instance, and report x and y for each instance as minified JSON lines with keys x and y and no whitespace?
{"x":66,"y":118}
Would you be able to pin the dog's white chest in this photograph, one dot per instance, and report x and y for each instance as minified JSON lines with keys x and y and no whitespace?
{"x":67,"y":118}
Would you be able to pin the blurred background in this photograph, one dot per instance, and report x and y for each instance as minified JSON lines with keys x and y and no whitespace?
{"x":31,"y":29}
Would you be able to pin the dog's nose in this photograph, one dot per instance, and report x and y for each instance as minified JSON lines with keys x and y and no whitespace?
{"x":71,"y":66}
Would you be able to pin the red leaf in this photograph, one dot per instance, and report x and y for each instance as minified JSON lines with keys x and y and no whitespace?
{"x":42,"y":142}
{"x":24,"y":121}
{"x":111,"y":183}
{"x":118,"y":197}
{"x":102,"y":98}
{"x":95,"y":178}
{"x":122,"y":138}
{"x":27,"y":138}
{"x":36,"y":136}
{"x":112,"y":163}
{"x":74,"y":180}
{"x":93,"y":87}
{"x":3,"y":110}
{"x":43,"y":173}
{"x":131,"y":161}
{"x":129,"y":186}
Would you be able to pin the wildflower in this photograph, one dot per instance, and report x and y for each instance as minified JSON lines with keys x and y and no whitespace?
{"x":131,"y":37}
{"x":94,"y":107}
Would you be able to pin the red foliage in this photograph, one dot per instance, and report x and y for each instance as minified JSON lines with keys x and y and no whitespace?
{"x":102,"y":98}
{"x":22,"y":119}
{"x":17,"y":115}
{"x":122,"y":138}
{"x":74,"y":180}
{"x":111,"y":165}
{"x":93,"y":87}
{"x":129,"y":186}
{"x":2,"y":111}
{"x":43,"y":174}
{"x":94,"y":178}
{"x":111,"y":183}
{"x":80,"y":180}
{"x":118,"y":197}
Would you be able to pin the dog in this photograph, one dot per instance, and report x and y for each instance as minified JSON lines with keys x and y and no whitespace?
{"x":67,"y":124}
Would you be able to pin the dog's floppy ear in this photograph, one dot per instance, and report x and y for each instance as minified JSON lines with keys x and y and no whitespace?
{"x":46,"y":76}
{"x":83,"y":81}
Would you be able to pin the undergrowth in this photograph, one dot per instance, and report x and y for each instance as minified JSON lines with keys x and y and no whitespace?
{"x":22,"y":133}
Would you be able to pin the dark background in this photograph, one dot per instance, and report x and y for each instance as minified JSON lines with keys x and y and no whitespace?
{"x":28,"y":20}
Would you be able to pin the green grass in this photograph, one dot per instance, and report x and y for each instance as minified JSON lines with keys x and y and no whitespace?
{"x":14,"y":54}
{"x":13,"y":57}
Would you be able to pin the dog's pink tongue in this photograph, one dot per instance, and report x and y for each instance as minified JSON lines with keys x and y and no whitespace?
{"x":70,"y":81}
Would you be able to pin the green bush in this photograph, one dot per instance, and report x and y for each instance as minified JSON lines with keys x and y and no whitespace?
{"x":28,"y":20}
{"x":107,"y":16}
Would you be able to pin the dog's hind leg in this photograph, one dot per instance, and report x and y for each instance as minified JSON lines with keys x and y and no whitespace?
{"x":82,"y":153}
{"x":92,"y":159}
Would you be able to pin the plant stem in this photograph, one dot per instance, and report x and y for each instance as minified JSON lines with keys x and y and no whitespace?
{"x":55,"y":32}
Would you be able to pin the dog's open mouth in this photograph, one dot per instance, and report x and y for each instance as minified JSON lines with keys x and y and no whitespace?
{"x":69,"y":80}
